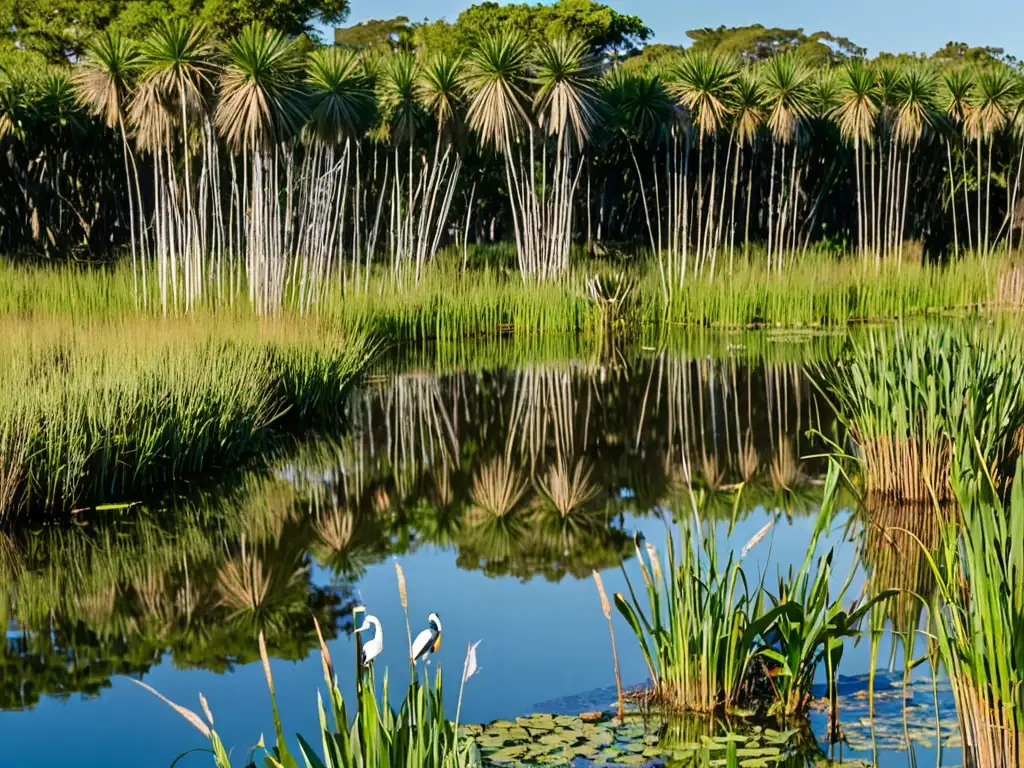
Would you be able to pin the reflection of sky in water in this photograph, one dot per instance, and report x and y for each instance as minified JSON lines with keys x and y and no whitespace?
{"x":541,"y":641}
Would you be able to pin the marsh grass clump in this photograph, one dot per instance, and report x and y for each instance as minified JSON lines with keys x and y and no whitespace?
{"x":978,"y":611}
{"x":714,"y":640}
{"x":100,"y":412}
{"x":906,"y":397}
{"x":694,"y":628}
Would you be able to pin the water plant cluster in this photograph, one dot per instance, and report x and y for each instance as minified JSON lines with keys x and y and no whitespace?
{"x":717,"y":639}
{"x":908,"y":397}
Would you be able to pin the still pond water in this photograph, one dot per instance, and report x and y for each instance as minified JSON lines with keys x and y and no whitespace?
{"x":173,"y":594}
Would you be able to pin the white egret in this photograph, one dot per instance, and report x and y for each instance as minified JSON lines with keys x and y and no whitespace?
{"x":429,"y":640}
{"x":373,"y":647}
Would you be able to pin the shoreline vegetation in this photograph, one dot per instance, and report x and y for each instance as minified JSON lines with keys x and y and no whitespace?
{"x":449,"y":304}
{"x":98,"y":412}
{"x":245,"y":165}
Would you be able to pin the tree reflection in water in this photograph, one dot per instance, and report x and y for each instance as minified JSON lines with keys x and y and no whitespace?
{"x":524,"y":472}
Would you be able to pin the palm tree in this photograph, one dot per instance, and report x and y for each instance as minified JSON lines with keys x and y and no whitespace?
{"x":261,"y":107}
{"x":341,"y":103}
{"x":1017,"y":131}
{"x":105,"y":82}
{"x":639,"y":108}
{"x":557,"y":120}
{"x":789,"y":103}
{"x":440,"y":92}
{"x":890,"y":80}
{"x":702,"y":82}
{"x":175,"y":90}
{"x":747,"y":104}
{"x":994,"y":100}
{"x":495,"y":80}
{"x":566,"y":103}
{"x":856,"y":114}
{"x":403,"y":118}
{"x":956,"y":100}
{"x":916,"y":107}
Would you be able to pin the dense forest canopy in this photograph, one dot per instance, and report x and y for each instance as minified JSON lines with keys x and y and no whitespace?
{"x":60,"y":29}
{"x":604,"y":29}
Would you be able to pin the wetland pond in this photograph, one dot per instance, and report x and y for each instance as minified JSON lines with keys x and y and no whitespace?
{"x":447,"y":464}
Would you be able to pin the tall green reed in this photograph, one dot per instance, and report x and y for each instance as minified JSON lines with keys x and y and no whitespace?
{"x":695,"y":627}
{"x":978,"y":609}
{"x":105,"y":411}
{"x":451,"y":303}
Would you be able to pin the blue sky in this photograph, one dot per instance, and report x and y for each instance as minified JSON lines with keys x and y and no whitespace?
{"x":878,"y":25}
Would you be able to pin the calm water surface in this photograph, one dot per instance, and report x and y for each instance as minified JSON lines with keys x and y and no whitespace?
{"x":175,"y":594}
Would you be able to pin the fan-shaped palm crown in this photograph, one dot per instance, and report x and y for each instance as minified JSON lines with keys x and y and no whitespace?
{"x":496,"y":81}
{"x":340,"y":95}
{"x":440,"y":88}
{"x":566,"y":78}
{"x":398,"y":89}
{"x":261,"y":102}
{"x":747,"y":104}
{"x":859,"y":102}
{"x":179,"y":68}
{"x":107,"y":76}
{"x":916,"y":103}
{"x":636,"y":103}
{"x":788,"y":95}
{"x":703,"y":83}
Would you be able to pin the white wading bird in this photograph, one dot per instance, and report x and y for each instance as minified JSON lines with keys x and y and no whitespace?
{"x":372,"y":648}
{"x":429,"y":640}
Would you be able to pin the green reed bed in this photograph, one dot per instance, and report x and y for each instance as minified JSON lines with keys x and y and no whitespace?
{"x":450,"y":302}
{"x":978,"y":612}
{"x":445,"y":304}
{"x":99,"y":412}
{"x":449,"y":305}
{"x":906,"y":396}
{"x":824,"y":290}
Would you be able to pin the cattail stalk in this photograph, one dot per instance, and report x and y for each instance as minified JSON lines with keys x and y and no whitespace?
{"x":606,"y":609}
{"x":403,"y":598}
